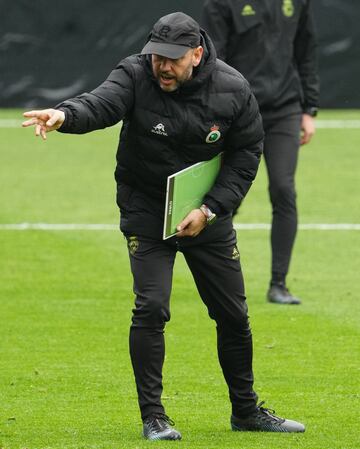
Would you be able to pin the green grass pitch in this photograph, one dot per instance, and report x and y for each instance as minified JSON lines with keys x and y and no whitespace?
{"x":66,"y":298}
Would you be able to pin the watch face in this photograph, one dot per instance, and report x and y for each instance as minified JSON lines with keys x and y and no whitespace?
{"x":210,"y":216}
{"x":211,"y":219}
{"x":312,"y":111}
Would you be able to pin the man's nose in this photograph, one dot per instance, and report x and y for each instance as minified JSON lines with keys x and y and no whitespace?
{"x":165,"y":65}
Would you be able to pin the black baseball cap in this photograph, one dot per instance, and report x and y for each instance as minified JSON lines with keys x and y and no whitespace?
{"x":172,"y":36}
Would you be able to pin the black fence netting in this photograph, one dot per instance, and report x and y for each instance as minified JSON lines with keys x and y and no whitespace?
{"x":50,"y":53}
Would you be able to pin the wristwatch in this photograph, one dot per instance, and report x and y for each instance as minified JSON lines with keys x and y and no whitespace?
{"x":311,"y":111}
{"x":209,"y":214}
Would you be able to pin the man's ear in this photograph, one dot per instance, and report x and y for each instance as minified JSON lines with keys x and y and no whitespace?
{"x":197,"y":55}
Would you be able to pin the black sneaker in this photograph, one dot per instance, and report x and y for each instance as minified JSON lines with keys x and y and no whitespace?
{"x":264,"y":420}
{"x":158,"y":427}
{"x":279,"y":294}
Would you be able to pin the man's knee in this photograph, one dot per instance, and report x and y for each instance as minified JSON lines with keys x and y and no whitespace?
{"x":151,"y":311}
{"x":233,"y":318}
{"x":283,"y":195}
{"x":235,"y":329}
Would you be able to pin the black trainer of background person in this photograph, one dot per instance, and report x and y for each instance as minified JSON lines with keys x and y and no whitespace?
{"x":178,"y":83}
{"x":272,"y":43}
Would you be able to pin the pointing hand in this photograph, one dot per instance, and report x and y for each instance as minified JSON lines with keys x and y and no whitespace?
{"x":44,"y":121}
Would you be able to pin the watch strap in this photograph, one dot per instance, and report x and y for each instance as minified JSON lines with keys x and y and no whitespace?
{"x":209,"y":214}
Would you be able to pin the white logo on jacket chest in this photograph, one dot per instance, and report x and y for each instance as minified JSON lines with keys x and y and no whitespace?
{"x":159,"y":129}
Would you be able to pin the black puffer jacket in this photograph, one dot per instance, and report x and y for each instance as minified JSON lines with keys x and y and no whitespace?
{"x":272,"y":43}
{"x":164,"y":132}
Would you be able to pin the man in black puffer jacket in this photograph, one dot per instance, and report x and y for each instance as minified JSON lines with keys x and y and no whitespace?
{"x":170,"y":98}
{"x":272,"y":43}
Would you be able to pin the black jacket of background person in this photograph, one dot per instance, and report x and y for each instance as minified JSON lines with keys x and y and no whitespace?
{"x":148,"y":153}
{"x":272,"y":43}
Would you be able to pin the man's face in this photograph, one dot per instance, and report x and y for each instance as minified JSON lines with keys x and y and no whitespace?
{"x":171,"y":73}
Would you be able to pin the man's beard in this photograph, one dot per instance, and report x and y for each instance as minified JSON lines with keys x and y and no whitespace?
{"x":179,"y":81}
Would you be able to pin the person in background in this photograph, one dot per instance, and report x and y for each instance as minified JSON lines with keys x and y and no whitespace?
{"x":272,"y":43}
{"x":174,"y":103}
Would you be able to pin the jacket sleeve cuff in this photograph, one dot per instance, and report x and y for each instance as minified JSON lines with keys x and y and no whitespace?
{"x":65,"y":127}
{"x":214,"y":206}
{"x":311,"y":110}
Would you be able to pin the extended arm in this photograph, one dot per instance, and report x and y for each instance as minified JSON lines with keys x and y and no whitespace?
{"x":103,"y":107}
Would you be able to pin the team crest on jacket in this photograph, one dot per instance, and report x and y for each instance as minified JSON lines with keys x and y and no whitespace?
{"x":214,"y":134}
{"x":288,"y":8}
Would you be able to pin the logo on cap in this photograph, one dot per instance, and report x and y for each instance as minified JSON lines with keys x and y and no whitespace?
{"x":164,"y":31}
{"x":214,"y":134}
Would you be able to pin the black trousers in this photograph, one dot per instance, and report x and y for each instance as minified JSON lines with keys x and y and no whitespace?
{"x":281,"y":148}
{"x":215,"y":266}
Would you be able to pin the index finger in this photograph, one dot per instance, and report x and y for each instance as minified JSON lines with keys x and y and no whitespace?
{"x":33,"y":113}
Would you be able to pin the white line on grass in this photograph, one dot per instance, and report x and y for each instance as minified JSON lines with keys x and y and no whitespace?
{"x":337,"y":124}
{"x":328,"y":124}
{"x":58,"y":227}
{"x":303,"y":227}
{"x":113,"y":227}
{"x":10,"y":123}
